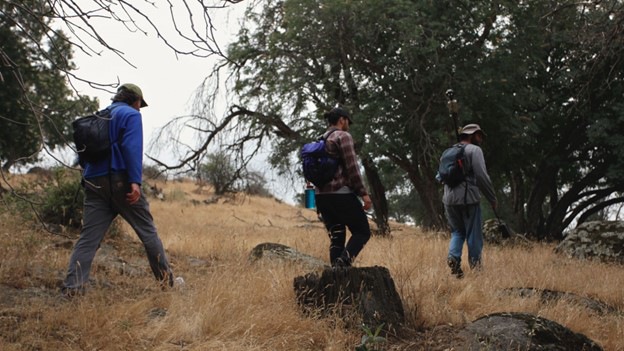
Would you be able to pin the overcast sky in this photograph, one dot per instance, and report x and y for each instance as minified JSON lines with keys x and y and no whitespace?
{"x":168,"y":82}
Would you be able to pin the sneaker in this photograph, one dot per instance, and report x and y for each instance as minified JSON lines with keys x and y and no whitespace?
{"x":455,"y":266}
{"x":178,"y":283}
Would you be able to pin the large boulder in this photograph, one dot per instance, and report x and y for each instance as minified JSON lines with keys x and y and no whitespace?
{"x":603,"y":240}
{"x":521,"y":332}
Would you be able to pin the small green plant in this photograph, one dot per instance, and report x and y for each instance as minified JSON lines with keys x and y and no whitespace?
{"x":371,"y":341}
{"x":62,"y":200}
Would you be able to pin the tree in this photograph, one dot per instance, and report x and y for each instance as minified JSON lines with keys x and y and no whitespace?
{"x":36,"y":60}
{"x":375,"y":58}
{"x":566,"y":70}
{"x":36,"y":104}
{"x":219,"y":171}
{"x":542,"y":78}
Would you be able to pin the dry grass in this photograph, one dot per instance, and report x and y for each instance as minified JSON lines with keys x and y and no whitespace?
{"x":231,"y":304}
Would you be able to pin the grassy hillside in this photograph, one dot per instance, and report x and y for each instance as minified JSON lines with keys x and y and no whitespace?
{"x":229,"y":303}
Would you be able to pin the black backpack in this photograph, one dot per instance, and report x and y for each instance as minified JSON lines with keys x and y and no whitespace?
{"x":91,"y":136}
{"x":453,"y":165}
{"x":319,"y":167}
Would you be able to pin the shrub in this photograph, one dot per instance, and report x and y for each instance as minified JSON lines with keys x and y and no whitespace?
{"x":61,"y":201}
{"x":219,"y":171}
{"x":255,"y":184}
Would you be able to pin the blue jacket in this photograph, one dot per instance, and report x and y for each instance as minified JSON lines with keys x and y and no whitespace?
{"x":127,"y":155}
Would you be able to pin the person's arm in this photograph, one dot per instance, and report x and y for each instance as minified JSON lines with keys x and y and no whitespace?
{"x":132,"y":147}
{"x":347,"y":152}
{"x":483,"y":179}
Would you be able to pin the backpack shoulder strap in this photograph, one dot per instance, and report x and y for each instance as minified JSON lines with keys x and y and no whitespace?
{"x":327,"y":134}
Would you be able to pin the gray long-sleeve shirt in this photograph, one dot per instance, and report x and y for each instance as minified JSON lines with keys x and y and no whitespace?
{"x":476,"y":179}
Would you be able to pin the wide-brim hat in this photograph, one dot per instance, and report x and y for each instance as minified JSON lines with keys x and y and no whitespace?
{"x":471,"y":129}
{"x":133,"y":88}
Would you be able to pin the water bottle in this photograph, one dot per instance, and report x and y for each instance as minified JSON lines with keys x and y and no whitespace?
{"x":310,"y":197}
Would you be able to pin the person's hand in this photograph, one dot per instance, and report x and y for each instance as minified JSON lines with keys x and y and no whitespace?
{"x":135,"y":193}
{"x":367,"y":202}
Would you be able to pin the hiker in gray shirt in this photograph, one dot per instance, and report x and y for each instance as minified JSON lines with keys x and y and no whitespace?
{"x":461,"y":203}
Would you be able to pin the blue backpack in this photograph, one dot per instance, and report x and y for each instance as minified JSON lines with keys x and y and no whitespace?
{"x":319,"y":167}
{"x":453,"y":167}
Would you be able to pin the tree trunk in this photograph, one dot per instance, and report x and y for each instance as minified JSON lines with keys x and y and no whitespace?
{"x":431,"y":201}
{"x":7,"y":166}
{"x":378,"y":196}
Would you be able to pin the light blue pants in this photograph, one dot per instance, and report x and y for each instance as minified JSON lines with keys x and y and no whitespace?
{"x":465,"y":222}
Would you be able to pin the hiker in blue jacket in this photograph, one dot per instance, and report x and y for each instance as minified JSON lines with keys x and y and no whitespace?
{"x":462,"y":203}
{"x":113,"y":187}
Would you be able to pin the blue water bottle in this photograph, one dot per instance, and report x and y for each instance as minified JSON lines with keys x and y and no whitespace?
{"x":309,"y":196}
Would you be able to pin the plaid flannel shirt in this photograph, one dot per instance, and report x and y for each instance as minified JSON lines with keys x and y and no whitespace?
{"x":340,"y":144}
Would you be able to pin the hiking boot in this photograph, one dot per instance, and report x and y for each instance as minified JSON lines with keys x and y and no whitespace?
{"x":342,"y":263}
{"x":167,"y":281}
{"x":70,"y":293}
{"x":476,"y":265}
{"x":455,"y":266}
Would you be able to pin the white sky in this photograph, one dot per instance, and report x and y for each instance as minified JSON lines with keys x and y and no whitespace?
{"x":168,"y":82}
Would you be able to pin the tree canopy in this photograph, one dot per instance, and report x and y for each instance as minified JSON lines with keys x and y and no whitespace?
{"x":36,"y":104}
{"x":37,"y":97}
{"x":543,"y":79}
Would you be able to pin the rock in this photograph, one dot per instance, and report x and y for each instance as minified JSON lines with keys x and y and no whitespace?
{"x":272,"y":251}
{"x":491,"y":232}
{"x":602,"y":240}
{"x":549,"y":296}
{"x":367,"y":293}
{"x":521,"y":332}
{"x":212,"y":200}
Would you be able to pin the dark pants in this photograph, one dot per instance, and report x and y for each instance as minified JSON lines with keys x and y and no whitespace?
{"x":103,"y":202}
{"x":341,"y":211}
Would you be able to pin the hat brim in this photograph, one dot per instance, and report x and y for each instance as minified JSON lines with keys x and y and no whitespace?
{"x":473,"y":131}
{"x":143,"y":103}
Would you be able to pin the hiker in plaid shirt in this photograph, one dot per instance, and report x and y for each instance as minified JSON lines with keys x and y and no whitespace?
{"x":338,"y":201}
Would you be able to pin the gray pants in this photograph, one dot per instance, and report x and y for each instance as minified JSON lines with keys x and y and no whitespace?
{"x":102,"y":204}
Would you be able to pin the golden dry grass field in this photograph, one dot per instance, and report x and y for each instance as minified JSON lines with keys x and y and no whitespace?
{"x":229,"y":303}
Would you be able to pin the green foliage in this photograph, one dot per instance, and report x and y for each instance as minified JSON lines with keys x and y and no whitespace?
{"x":62,"y":200}
{"x":219,"y":170}
{"x":57,"y":200}
{"x":152,"y":172}
{"x":371,"y":341}
{"x":542,"y":79}
{"x":255,"y":184}
{"x":36,"y":103}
